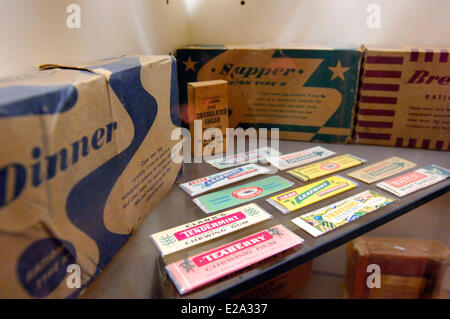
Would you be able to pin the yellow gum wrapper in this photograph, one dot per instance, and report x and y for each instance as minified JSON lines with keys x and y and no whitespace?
{"x":306,"y":195}
{"x":326,"y":167}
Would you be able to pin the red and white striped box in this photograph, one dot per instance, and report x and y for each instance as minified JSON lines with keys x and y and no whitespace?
{"x":404,"y":97}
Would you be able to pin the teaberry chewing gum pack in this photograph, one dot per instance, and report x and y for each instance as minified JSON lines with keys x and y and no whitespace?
{"x":212,"y":227}
{"x":404,"y":97}
{"x":307,"y":92}
{"x":198,"y":270}
{"x":85,"y":157}
{"x":208,"y":106}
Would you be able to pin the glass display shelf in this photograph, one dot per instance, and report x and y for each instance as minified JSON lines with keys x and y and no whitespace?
{"x":137,"y":271}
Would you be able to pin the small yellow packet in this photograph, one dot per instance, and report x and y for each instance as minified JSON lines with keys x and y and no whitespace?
{"x":306,"y":195}
{"x":326,"y":167}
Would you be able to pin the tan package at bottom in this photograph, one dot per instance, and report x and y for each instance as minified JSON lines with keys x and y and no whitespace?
{"x":285,"y":285}
{"x":409,"y":268}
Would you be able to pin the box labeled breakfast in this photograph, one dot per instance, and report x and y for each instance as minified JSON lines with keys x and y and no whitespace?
{"x":312,"y":154}
{"x":207,"y":183}
{"x":345,"y":211}
{"x":241,"y":194}
{"x":208,"y":106}
{"x":253,"y":156}
{"x":381,"y":170}
{"x":202,"y":230}
{"x":404,"y":97}
{"x":416,"y":180}
{"x":309,"y":194}
{"x":196,"y":271}
{"x":307,"y":92}
{"x":326,"y":167}
{"x":90,"y":159}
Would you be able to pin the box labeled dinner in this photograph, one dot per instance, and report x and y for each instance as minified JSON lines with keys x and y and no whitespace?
{"x":404,"y":97}
{"x":307,"y":92}
{"x":85,"y":157}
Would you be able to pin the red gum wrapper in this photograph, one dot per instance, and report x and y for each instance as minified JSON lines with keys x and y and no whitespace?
{"x":198,"y":270}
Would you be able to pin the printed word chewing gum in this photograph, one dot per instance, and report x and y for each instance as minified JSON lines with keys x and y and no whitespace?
{"x":212,"y":227}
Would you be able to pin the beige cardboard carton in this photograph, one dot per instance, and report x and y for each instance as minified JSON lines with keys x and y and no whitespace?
{"x":85,"y":156}
{"x":307,"y":92}
{"x":404,"y":97}
{"x":208,"y":103}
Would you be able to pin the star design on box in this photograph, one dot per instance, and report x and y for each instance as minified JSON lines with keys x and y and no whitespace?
{"x":190,"y":65}
{"x":338,"y":71}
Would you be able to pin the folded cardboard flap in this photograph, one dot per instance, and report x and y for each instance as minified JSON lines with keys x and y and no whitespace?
{"x":90,"y":158}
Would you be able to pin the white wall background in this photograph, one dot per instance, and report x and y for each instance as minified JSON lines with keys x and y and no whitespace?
{"x":33,"y":32}
{"x":423,"y":22}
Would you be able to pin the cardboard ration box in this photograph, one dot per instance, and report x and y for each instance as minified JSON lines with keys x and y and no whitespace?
{"x":85,"y":156}
{"x":407,"y":268}
{"x":208,"y":109}
{"x":307,"y":92}
{"x":404,"y":97}
{"x":290,"y":284}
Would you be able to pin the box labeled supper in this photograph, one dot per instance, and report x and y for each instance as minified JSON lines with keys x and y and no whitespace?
{"x":307,"y":92}
{"x":85,"y":156}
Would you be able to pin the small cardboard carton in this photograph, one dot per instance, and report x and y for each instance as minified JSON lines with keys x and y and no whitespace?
{"x":395,"y":268}
{"x":404,"y":97}
{"x":307,"y":92}
{"x":208,"y":107}
{"x":85,"y":156}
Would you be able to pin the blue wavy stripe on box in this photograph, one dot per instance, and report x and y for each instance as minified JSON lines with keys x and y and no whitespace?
{"x":30,"y":100}
{"x":86,"y":202}
{"x":174,"y":98}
